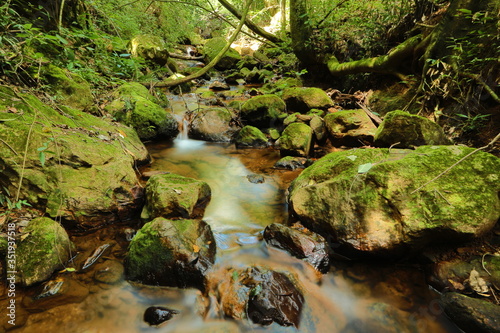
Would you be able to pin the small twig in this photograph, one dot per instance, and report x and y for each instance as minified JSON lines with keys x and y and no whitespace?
{"x":436,"y":191}
{"x":13,"y":150}
{"x":376,"y":119}
{"x":494,"y":296}
{"x":489,"y":145}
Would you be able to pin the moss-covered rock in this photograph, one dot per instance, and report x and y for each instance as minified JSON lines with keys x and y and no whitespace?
{"x":291,"y":163}
{"x":296,"y":140}
{"x":304,"y":99}
{"x":404,"y":130}
{"x":352,"y":128}
{"x":149,"y":47}
{"x":264,"y":111}
{"x":171,"y":253}
{"x":250,"y":136}
{"x":471,"y":314}
{"x":45,"y":249}
{"x":78,"y":167}
{"x":213,"y":46}
{"x":170,"y":195}
{"x":134,"y":107}
{"x":372,"y":200}
{"x":68,"y":88}
{"x":319,"y":128}
{"x":212,"y":124}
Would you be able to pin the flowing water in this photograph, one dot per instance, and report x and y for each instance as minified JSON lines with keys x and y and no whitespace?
{"x":352,"y":297}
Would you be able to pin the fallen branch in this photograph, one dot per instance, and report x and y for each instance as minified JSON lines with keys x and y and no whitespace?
{"x":488,"y":146}
{"x":376,"y":119}
{"x":184,"y":57}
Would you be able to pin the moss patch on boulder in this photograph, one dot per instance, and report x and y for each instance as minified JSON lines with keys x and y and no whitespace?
{"x":250,"y":136}
{"x":213,"y":46}
{"x":149,"y":47}
{"x":296,"y":140}
{"x":264,"y":111}
{"x":352,"y":128}
{"x":212,"y":124}
{"x":45,"y":249}
{"x":302,"y":100}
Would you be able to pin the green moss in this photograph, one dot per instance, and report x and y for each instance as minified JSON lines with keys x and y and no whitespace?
{"x":263,"y":111}
{"x":213,"y":46}
{"x":250,"y":136}
{"x":296,"y":139}
{"x":304,"y":99}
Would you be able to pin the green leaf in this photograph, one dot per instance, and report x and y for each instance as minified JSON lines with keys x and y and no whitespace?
{"x":41,"y":156}
{"x":352,"y":157}
{"x":364,"y":168}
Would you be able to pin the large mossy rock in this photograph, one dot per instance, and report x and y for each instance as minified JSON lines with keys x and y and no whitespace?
{"x":149,"y":47}
{"x":170,"y":195}
{"x":296,"y":140}
{"x":372,"y":200}
{"x":68,"y":88}
{"x":404,"y":130}
{"x":171,"y":253}
{"x":471,"y":314}
{"x":78,"y":167}
{"x":45,"y":249}
{"x":250,"y":136}
{"x":212,"y":124}
{"x":264,"y":111}
{"x":134,"y":106}
{"x":212,"y":48}
{"x":304,"y":99}
{"x":351,"y":128}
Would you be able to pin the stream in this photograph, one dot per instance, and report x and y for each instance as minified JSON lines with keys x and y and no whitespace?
{"x":352,"y":297}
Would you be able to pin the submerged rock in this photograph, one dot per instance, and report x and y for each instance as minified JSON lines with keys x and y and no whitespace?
{"x":171,"y":195}
{"x":213,"y":124}
{"x":352,"y":128}
{"x":264,"y":111}
{"x":45,"y":249}
{"x":171,"y":253}
{"x":259,"y":294}
{"x":135,"y":107}
{"x":388,"y":202}
{"x":402,"y":129}
{"x":471,"y":314}
{"x":303,"y":244}
{"x":296,"y":140}
{"x":302,"y":100}
{"x":156,"y":315}
{"x":250,"y":136}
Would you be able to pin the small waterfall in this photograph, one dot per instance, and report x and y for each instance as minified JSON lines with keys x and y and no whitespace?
{"x":183,"y":141}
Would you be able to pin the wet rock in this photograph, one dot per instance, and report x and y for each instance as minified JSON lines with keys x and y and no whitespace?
{"x":302,"y":100}
{"x":94,"y":257}
{"x":351,"y":128}
{"x":149,"y":47}
{"x":382,"y":193}
{"x":156,"y":315}
{"x":218,"y":85}
{"x":318,"y":126}
{"x":45,"y":249}
{"x":255,"y":179}
{"x":109,"y":272}
{"x":250,"y":136}
{"x":135,"y":107}
{"x":171,"y":253}
{"x":303,"y":244}
{"x":291,"y":163}
{"x":213,"y":124}
{"x":85,"y":168}
{"x":263,"y":111}
{"x":212,"y":48}
{"x":171,"y":195}
{"x":471,"y":314}
{"x":148,"y":174}
{"x":404,"y":130}
{"x":259,"y":294}
{"x":296,"y":140}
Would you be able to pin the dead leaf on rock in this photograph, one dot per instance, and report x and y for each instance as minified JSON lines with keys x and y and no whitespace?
{"x":456,"y":285}
{"x":478,"y":284}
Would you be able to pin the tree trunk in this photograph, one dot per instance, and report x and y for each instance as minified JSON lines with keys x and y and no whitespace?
{"x":301,"y":31}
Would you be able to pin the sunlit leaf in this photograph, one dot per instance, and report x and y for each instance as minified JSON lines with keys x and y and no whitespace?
{"x":352,"y":157}
{"x":364,"y":168}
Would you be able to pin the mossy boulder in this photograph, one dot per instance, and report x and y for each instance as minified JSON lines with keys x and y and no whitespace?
{"x":319,"y":128}
{"x":296,"y":140}
{"x":302,"y":100}
{"x":351,"y":128}
{"x":263,"y":111}
{"x":213,"y":47}
{"x":78,"y":167}
{"x":250,"y":136}
{"x":171,"y":253}
{"x":68,"y":88}
{"x":134,"y":107}
{"x":471,"y":314}
{"x":377,"y":201}
{"x":212,"y":124}
{"x":149,"y":47}
{"x":170,"y":195}
{"x":45,"y":249}
{"x":404,"y":130}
